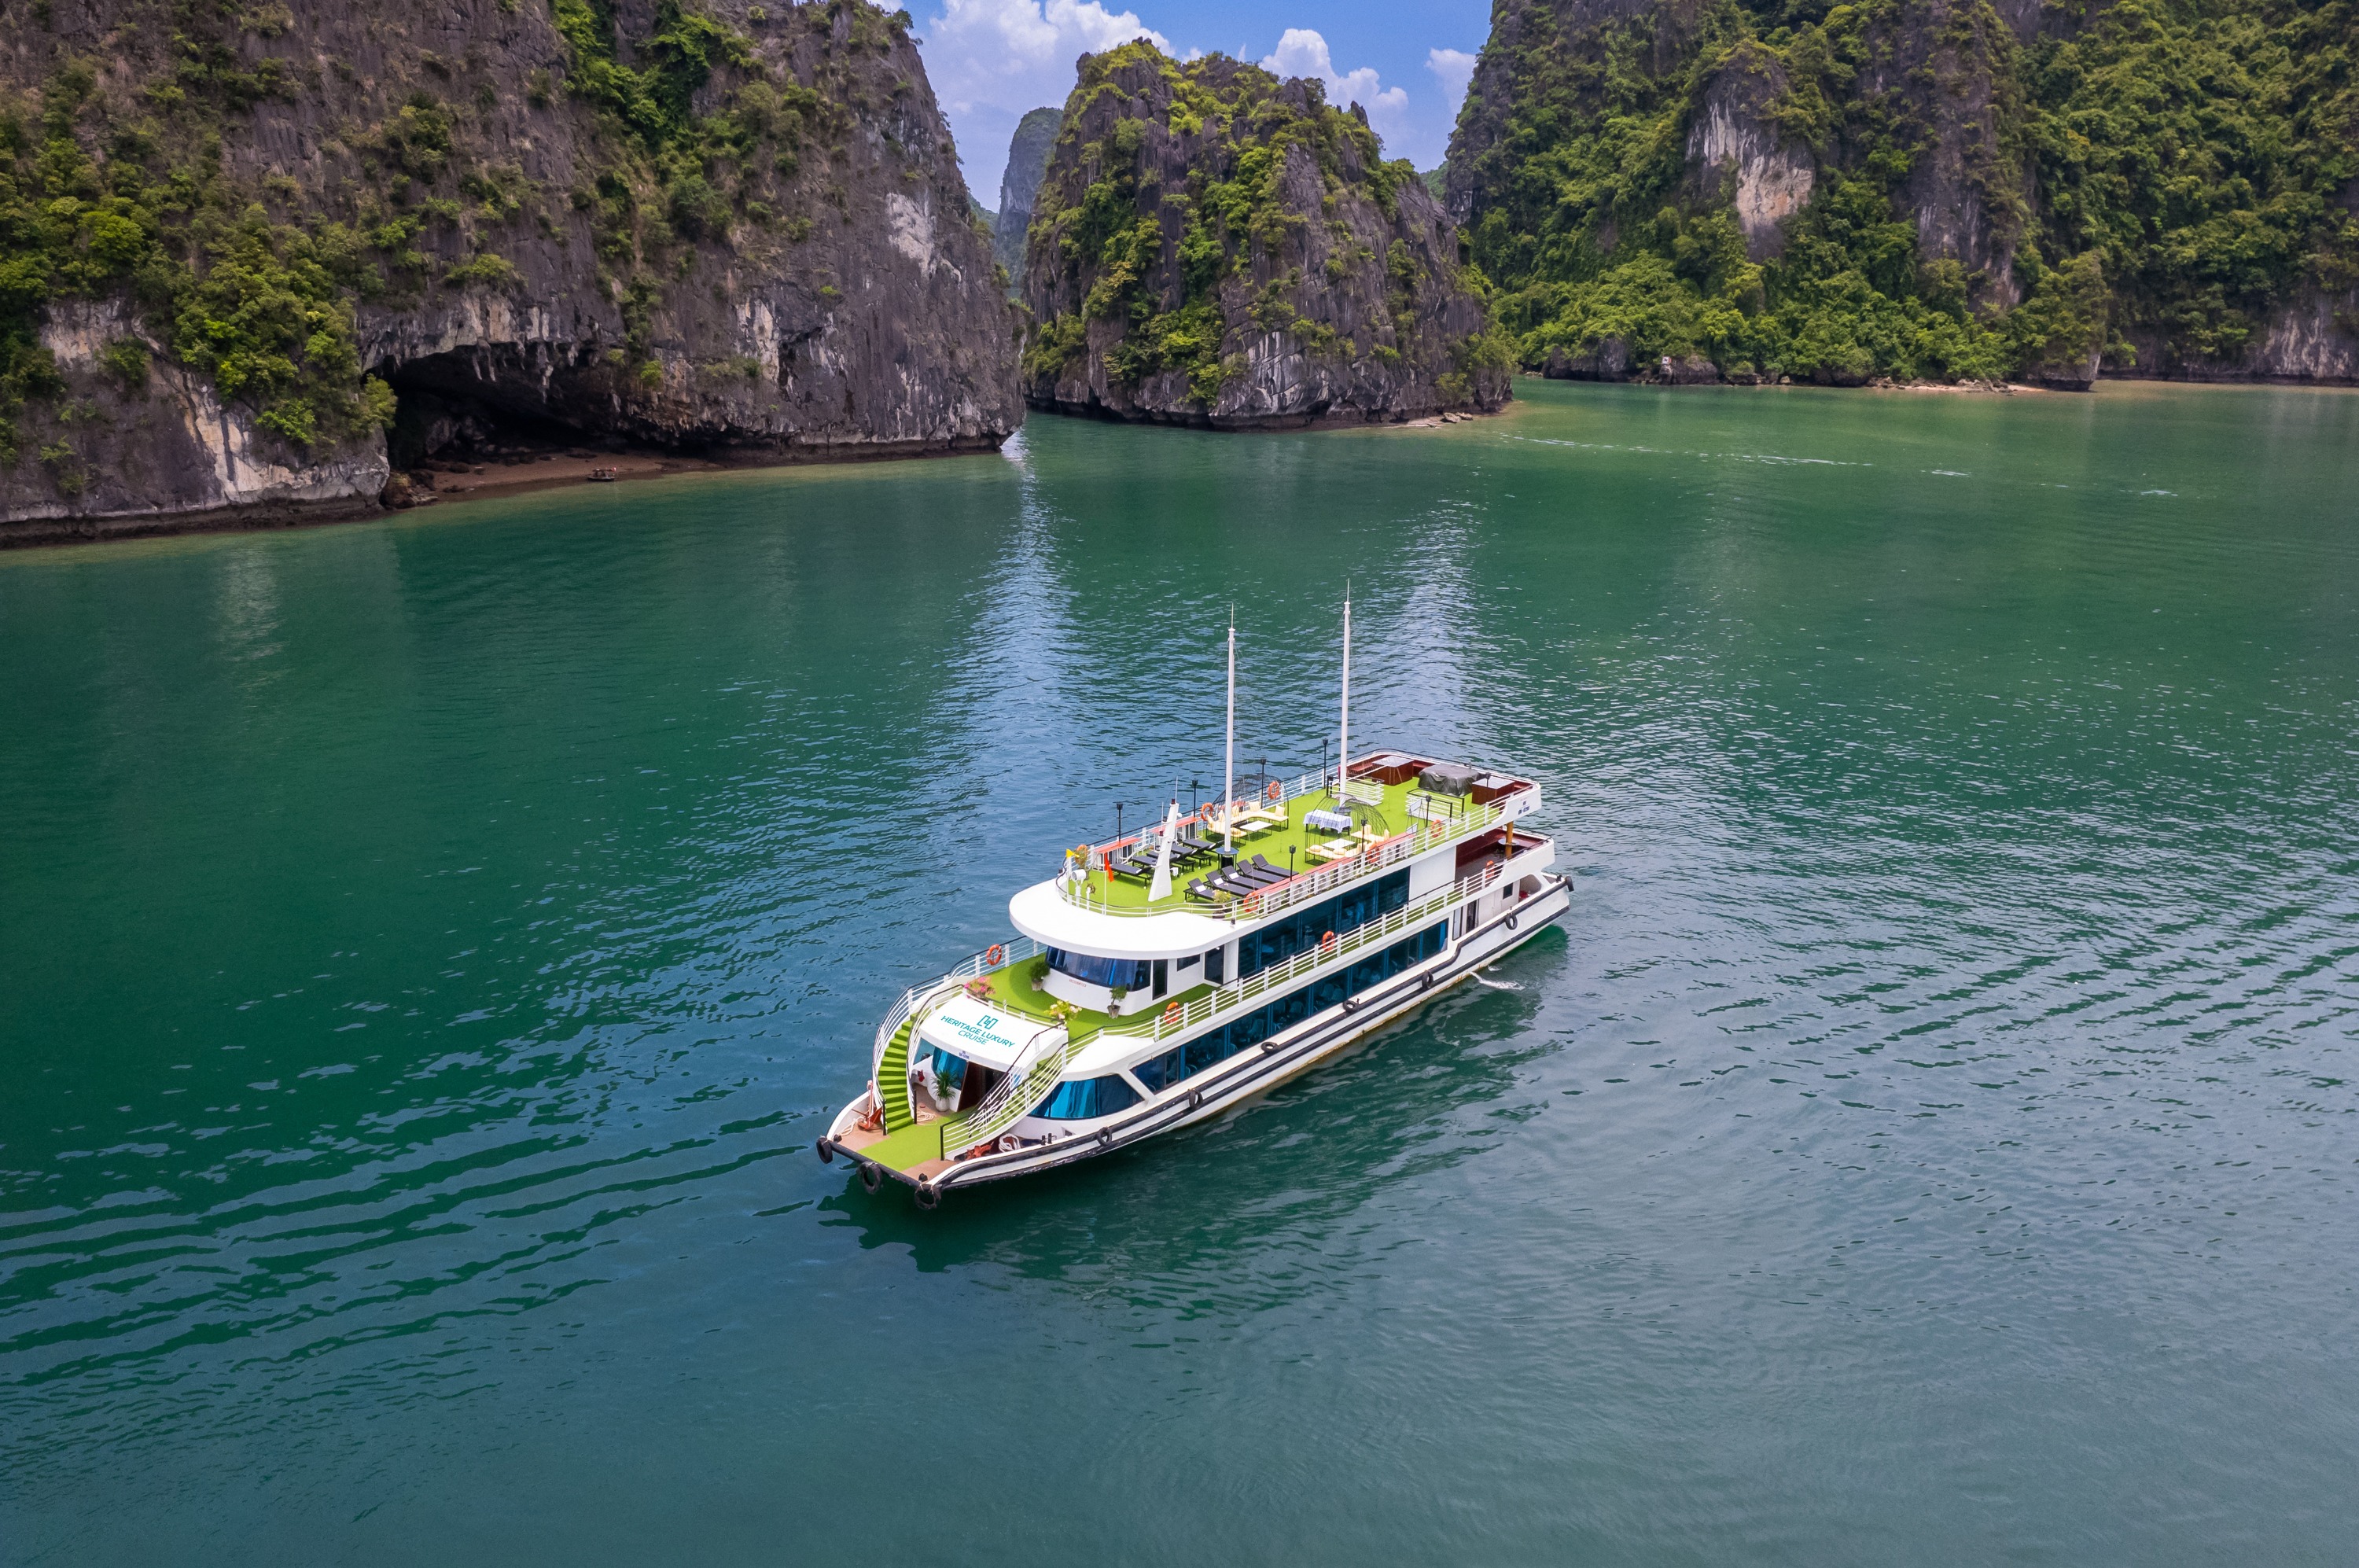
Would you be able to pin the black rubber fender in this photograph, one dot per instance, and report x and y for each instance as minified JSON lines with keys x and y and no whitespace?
{"x":872,"y":1175}
{"x":1511,"y":922}
{"x":826,"y":1152}
{"x":928,"y":1195}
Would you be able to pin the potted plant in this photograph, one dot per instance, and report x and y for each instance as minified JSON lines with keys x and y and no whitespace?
{"x":1114,"y":1008}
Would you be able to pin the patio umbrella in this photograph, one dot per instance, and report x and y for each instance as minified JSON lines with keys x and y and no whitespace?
{"x":1160,"y":887}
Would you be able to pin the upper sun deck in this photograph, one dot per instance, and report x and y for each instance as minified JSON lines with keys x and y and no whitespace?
{"x":1294,"y":842}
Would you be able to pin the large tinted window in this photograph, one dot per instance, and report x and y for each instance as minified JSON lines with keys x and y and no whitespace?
{"x":1090,"y":1097}
{"x":1282,"y":939}
{"x":1248,"y":1030}
{"x":1129,"y":972}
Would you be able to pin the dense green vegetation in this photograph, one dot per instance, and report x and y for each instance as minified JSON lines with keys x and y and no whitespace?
{"x":95,"y":203}
{"x":2170,"y":170}
{"x":1230,"y":207}
{"x":108,"y":193}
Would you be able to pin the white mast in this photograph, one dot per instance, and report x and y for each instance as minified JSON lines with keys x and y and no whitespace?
{"x":1229,"y":756}
{"x":1344,"y":736}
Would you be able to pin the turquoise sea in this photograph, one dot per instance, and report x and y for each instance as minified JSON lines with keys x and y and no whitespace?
{"x":428,"y":950}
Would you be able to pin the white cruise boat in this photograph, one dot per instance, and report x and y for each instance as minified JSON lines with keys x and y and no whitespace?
{"x":1161,"y":978}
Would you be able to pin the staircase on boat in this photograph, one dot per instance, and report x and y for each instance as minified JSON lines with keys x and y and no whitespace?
{"x":893,"y":1079}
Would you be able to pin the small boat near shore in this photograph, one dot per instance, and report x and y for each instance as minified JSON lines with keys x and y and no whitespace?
{"x":1163,"y":977}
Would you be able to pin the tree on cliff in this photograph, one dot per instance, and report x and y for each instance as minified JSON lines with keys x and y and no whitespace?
{"x":1917,"y":187}
{"x":698,"y":222}
{"x":1214,"y":245}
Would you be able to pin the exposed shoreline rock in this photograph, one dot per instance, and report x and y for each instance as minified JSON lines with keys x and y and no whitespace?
{"x":764,"y":254}
{"x":1920,"y":188}
{"x":1217,"y":248}
{"x":633,"y":466}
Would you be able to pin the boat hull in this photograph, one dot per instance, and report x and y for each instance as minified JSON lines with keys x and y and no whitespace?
{"x":1250,"y":1074}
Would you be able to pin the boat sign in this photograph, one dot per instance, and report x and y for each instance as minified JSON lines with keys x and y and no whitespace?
{"x":977,"y":1031}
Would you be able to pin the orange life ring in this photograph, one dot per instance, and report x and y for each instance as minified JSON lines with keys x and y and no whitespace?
{"x":1327,"y":942}
{"x":1171,"y":1013}
{"x":995,"y":955}
{"x":1276,"y":791}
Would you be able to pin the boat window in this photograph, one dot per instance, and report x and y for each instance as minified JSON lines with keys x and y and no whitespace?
{"x":1079,"y":1102}
{"x":1282,"y":939}
{"x":1248,"y":1030}
{"x":1129,"y":973}
{"x":1160,"y":1072}
{"x":1189,"y":961}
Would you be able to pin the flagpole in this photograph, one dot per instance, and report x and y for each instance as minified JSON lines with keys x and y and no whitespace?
{"x":1229,"y":757}
{"x":1343,"y":734}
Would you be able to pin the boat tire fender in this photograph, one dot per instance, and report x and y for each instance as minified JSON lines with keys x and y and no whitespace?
{"x":872,"y":1175}
{"x":1511,"y":922}
{"x":1105,"y":1137}
{"x":826,"y":1152}
{"x":928,"y":1195}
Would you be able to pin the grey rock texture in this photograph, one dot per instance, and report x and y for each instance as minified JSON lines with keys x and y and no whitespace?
{"x":832,"y":296}
{"x":1961,"y":100}
{"x":1215,"y":246}
{"x":1028,"y":164}
{"x":1734,"y":151}
{"x":1935,"y":62}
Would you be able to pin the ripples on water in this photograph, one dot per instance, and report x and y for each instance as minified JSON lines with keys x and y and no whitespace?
{"x":433,"y":947}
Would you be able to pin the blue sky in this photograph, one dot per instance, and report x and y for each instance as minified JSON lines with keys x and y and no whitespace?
{"x":1407,"y":62}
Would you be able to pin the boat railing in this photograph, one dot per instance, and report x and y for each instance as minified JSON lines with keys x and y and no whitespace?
{"x":1014,"y":950}
{"x":1379,"y":856}
{"x":1180,"y":1018}
{"x":992,"y":1118}
{"x":1026,"y":1082}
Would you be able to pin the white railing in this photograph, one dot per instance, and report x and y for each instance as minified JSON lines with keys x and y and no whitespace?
{"x":1026,"y":1084}
{"x":1229,"y":998}
{"x":1029,"y":1083}
{"x":1014,"y":950}
{"x":1379,"y":856}
{"x":1376,"y":857}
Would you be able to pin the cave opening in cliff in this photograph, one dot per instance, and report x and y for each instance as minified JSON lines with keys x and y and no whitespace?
{"x":462,"y":407}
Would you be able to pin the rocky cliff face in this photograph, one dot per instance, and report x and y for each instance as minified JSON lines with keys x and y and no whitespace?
{"x":261,"y":255}
{"x":1028,"y":165}
{"x":1212,"y":245}
{"x":1738,"y":154}
{"x":1939,"y":189}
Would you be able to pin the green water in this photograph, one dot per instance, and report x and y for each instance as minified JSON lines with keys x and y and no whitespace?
{"x":429,"y":949}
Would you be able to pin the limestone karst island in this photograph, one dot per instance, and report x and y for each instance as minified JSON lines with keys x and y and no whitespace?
{"x":1170,"y":782}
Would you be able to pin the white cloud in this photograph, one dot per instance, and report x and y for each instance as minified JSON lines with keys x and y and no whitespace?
{"x":990,"y":60}
{"x":1019,"y":54}
{"x":1303,"y":52}
{"x":1453,"y":68}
